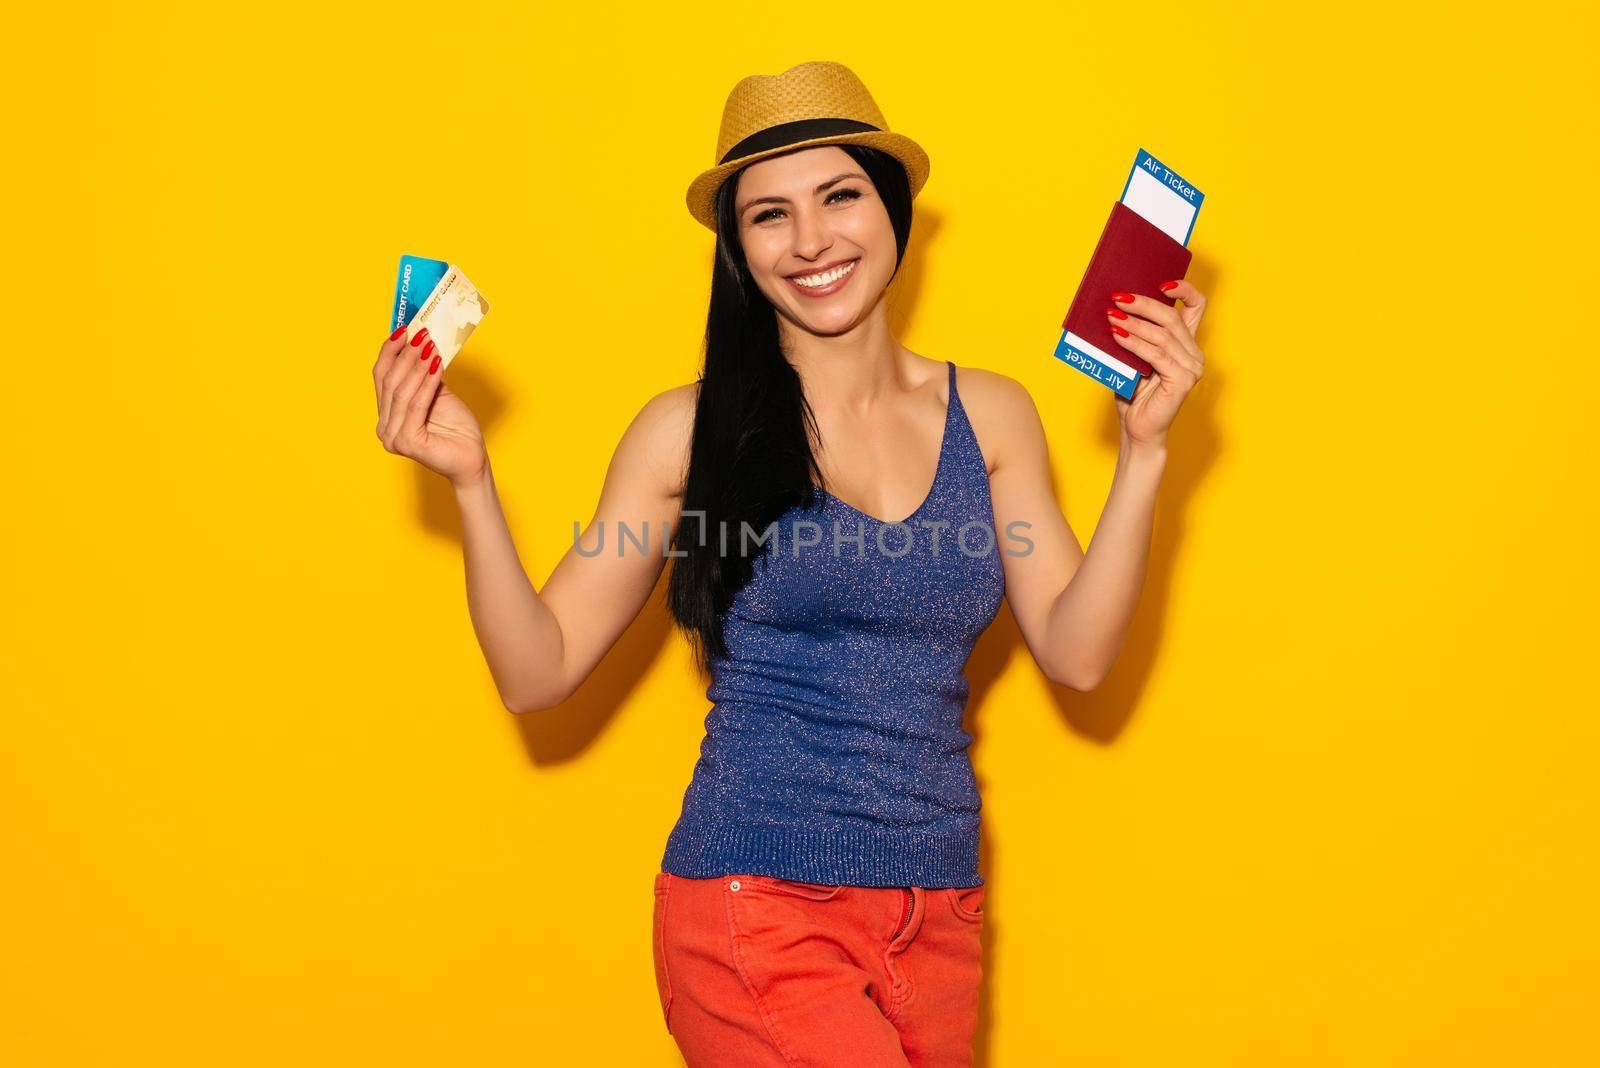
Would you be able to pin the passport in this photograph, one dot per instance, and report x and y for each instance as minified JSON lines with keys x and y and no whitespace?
{"x":1132,"y":256}
{"x":1142,"y":244}
{"x":436,"y":295}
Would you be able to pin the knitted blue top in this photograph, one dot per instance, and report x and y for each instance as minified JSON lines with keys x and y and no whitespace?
{"x":834,"y":750}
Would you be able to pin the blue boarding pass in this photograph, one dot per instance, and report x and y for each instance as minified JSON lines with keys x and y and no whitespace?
{"x":1159,"y":195}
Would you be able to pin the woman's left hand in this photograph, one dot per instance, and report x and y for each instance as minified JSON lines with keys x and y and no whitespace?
{"x":1164,"y":337}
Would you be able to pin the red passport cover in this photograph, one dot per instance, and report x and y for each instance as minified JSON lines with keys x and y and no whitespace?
{"x":1132,"y":256}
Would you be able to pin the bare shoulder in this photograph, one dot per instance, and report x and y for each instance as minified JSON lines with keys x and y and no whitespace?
{"x":1002,"y":413}
{"x":660,"y":434}
{"x":670,"y":412}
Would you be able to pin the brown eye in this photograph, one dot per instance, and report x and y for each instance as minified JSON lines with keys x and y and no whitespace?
{"x":844,"y":195}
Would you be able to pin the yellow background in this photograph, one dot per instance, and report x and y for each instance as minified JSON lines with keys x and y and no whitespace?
{"x":259,"y":803}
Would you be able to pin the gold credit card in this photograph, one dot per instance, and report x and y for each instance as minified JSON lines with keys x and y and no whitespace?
{"x":450,"y":313}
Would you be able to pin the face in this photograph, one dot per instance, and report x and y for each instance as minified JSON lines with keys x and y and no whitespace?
{"x":816,"y":236}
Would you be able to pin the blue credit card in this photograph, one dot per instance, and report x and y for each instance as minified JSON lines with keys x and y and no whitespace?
{"x":418,"y":276}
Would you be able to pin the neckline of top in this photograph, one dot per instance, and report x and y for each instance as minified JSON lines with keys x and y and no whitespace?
{"x":938,"y":469}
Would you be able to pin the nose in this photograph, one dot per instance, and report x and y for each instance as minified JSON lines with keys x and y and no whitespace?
{"x":811,"y":236}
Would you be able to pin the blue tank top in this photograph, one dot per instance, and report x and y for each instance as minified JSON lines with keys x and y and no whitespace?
{"x":834,"y":750}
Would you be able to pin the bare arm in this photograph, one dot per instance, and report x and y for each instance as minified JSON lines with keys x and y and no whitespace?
{"x":1073,"y":608}
{"x":541,"y":645}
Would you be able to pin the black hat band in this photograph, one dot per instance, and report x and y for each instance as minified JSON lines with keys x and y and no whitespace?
{"x":789,"y":133}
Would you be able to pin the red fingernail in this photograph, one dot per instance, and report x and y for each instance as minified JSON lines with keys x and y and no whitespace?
{"x":398,"y":331}
{"x":1118,"y":330}
{"x":1117,"y":313}
{"x":434,"y":366}
{"x":1122,"y":298}
{"x":421,"y":336}
{"x":427,"y":350}
{"x":1169,"y":285}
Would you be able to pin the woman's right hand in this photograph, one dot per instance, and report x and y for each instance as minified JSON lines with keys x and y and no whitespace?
{"x":418,"y":415}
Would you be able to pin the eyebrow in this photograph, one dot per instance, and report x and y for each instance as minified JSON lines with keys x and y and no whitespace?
{"x":835,"y":180}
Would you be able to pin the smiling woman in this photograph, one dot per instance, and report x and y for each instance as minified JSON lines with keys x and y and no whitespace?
{"x":834,"y":803}
{"x":807,"y":243}
{"x":863,"y":209}
{"x":819,"y":899}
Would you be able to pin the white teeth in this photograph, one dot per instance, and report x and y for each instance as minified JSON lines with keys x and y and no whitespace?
{"x":815,"y":281}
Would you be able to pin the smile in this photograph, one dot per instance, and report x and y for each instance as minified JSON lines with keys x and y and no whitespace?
{"x":822,"y":283}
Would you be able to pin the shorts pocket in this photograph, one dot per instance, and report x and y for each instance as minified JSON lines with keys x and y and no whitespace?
{"x":773,"y":884}
{"x":967,"y":901}
{"x":659,"y":947}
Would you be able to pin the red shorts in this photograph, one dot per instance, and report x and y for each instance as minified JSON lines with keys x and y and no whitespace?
{"x":762,"y":972}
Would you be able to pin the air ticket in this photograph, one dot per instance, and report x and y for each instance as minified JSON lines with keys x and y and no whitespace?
{"x":1160,"y":196}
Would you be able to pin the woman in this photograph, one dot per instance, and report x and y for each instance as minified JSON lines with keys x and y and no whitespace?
{"x":819,"y":901}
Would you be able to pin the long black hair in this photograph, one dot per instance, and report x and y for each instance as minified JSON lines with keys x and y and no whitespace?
{"x":750,"y":459}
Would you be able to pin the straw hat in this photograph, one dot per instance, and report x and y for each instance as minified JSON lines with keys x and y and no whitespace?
{"x":817,"y":103}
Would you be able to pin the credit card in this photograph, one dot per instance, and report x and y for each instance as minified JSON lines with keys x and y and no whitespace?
{"x":1160,"y":196}
{"x":417,"y":278}
{"x":449,"y":313}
